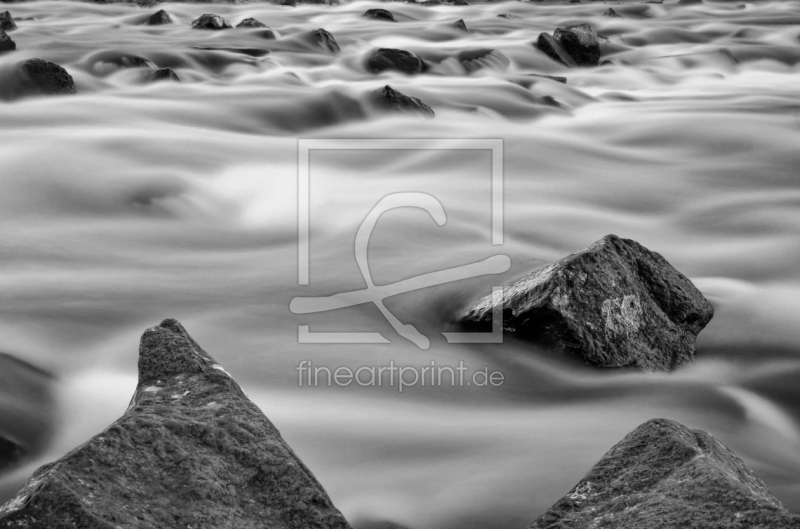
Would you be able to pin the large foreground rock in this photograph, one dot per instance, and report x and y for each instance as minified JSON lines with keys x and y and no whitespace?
{"x":40,"y":77}
{"x":666,"y":476}
{"x":191,"y":451}
{"x":614,"y":304}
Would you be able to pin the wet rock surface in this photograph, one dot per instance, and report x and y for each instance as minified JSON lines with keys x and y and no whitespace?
{"x":614,"y":304}
{"x":40,"y":77}
{"x":380,"y":14}
{"x":393,"y":59}
{"x":211,"y":21}
{"x":159,"y":18}
{"x":664,"y":475}
{"x":7,"y":21}
{"x":6,"y":42}
{"x":390,"y":100}
{"x":324,"y":40}
{"x":164,"y":74}
{"x":574,"y":45}
{"x":191,"y":451}
{"x":251,"y":23}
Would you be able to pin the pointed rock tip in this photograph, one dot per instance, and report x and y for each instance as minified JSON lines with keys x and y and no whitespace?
{"x":167,"y":350}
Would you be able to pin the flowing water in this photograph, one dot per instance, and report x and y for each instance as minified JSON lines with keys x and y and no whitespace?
{"x":135,"y":201}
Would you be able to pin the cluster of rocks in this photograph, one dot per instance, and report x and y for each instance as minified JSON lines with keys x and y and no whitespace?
{"x":193,"y":451}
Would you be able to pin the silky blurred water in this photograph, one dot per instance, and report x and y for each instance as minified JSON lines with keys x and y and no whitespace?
{"x":136,"y":201}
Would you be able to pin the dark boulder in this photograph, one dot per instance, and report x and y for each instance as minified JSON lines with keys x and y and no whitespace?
{"x":614,"y":304}
{"x":553,"y":49}
{"x":665,"y":476}
{"x":380,"y":14}
{"x":210,"y":21}
{"x":251,"y":23}
{"x":7,"y":21}
{"x":159,"y":18}
{"x":164,"y":74}
{"x":580,"y":42}
{"x":393,"y":59}
{"x":40,"y":77}
{"x":460,"y":24}
{"x":611,"y":13}
{"x":6,"y":43}
{"x":390,"y":100}
{"x":27,"y":410}
{"x":190,"y":451}
{"x":322,"y":38}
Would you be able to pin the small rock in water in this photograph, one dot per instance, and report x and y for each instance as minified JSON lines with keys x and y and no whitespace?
{"x":266,"y":34}
{"x":164,"y":74}
{"x":159,"y":18}
{"x":460,"y":24}
{"x":210,"y":21}
{"x":324,"y":39}
{"x":251,"y":23}
{"x":611,"y":13}
{"x":508,"y":16}
{"x":7,"y":21}
{"x":40,"y":77}
{"x":380,"y":14}
{"x":251,"y":52}
{"x":553,"y":49}
{"x":614,"y":304}
{"x":288,"y":3}
{"x":580,"y":42}
{"x":129,"y":61}
{"x":665,"y":475}
{"x":6,"y":43}
{"x":393,"y":59}
{"x":389,"y":99}
{"x":191,"y":450}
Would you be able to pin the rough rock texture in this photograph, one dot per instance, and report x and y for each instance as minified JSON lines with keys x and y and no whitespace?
{"x":159,"y":18}
{"x":191,"y":451}
{"x":6,"y":44}
{"x":164,"y":74}
{"x":380,"y":14}
{"x":40,"y":77}
{"x":615,"y":304}
{"x":7,"y":21}
{"x":251,"y":23}
{"x":393,"y":59}
{"x":580,"y":42}
{"x":390,"y":100}
{"x":210,"y":21}
{"x":553,"y":49}
{"x":324,"y":39}
{"x":666,"y":476}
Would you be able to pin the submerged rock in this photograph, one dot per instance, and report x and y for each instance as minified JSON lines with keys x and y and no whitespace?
{"x":615,"y":304}
{"x":159,"y":18}
{"x":574,"y":44}
{"x":210,"y":21}
{"x":390,"y":100}
{"x":380,"y":14}
{"x":251,"y":23}
{"x":393,"y":59}
{"x":664,"y":475}
{"x":324,"y":39}
{"x":40,"y":77}
{"x":27,"y":410}
{"x":6,"y":43}
{"x":164,"y":74}
{"x":553,"y":49}
{"x":128,"y":61}
{"x":190,"y":451}
{"x":7,"y":21}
